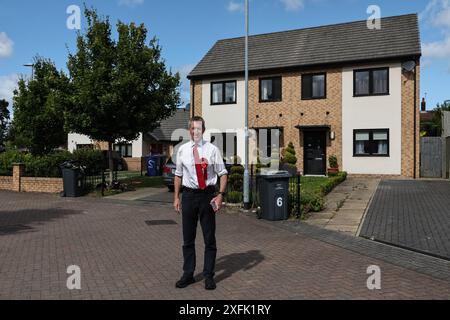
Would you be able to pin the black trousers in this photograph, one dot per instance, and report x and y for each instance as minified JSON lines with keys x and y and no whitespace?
{"x":196,"y":206}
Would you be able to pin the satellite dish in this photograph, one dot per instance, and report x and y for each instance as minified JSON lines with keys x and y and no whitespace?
{"x":409,"y":66}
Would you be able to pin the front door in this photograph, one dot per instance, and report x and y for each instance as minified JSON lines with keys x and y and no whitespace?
{"x":314,"y":144}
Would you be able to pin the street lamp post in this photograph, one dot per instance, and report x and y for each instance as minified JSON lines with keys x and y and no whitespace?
{"x":246,"y":174}
{"x":32,"y":68}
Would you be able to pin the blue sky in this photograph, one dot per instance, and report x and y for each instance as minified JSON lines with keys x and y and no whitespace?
{"x":187,"y":29}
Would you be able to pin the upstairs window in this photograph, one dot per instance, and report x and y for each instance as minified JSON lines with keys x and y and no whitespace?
{"x":270,"y":89}
{"x":223,"y":92}
{"x":314,"y":86}
{"x":371,"y":82}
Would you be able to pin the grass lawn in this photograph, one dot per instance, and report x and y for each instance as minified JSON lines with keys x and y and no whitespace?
{"x":133,"y":180}
{"x":128,"y":174}
{"x":313,"y":184}
{"x":143,"y":182}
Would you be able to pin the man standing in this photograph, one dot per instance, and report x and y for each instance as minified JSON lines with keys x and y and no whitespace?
{"x":199,"y":163}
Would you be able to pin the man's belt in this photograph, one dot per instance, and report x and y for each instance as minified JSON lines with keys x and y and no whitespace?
{"x":208,"y":189}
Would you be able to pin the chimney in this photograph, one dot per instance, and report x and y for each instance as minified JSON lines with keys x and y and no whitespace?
{"x":423,"y":105}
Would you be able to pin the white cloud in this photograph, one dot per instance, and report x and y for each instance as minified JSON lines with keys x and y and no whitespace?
{"x":130,"y":3}
{"x":6,"y":45}
{"x":185,"y":88}
{"x":7,"y":85}
{"x":235,"y":6}
{"x":438,"y":49}
{"x":437,"y":15}
{"x":293,"y":5}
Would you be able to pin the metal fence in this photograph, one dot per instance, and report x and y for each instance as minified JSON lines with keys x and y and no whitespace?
{"x":97,"y":180}
{"x":294,"y":196}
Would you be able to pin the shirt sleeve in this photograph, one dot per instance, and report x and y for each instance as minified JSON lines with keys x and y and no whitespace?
{"x":179,"y":164}
{"x":219,"y":166}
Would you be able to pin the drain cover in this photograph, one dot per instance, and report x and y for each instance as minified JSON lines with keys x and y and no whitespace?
{"x":159,"y":222}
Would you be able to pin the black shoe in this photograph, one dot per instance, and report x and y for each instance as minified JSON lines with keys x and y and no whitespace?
{"x":210,"y":284}
{"x":185,"y":281}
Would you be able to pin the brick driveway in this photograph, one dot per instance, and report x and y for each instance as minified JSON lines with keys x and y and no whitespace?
{"x":411,"y":214}
{"x":121,"y":257}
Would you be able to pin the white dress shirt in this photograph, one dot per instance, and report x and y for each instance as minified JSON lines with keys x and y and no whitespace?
{"x":186,"y":164}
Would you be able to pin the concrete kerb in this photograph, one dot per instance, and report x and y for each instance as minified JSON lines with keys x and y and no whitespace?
{"x":367,"y":209}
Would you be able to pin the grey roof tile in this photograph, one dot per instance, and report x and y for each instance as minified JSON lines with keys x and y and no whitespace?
{"x":398,"y":37}
{"x":179,"y":120}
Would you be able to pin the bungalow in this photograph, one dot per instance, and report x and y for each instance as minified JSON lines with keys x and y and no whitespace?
{"x":344,"y":90}
{"x":162,"y":140}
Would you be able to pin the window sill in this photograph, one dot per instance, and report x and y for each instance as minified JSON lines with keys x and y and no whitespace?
{"x":223,"y":104}
{"x":318,"y":98}
{"x":268,"y":101}
{"x":370,"y":95}
{"x":371,"y":156}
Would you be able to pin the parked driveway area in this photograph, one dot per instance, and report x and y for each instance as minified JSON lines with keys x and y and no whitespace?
{"x":411,"y":214}
{"x":132,"y":250}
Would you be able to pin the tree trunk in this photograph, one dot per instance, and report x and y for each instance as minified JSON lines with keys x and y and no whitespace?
{"x":110,"y":162}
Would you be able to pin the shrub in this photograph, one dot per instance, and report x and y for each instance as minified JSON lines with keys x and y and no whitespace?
{"x":234,"y":197}
{"x":311,"y":202}
{"x":8,"y":158}
{"x":237,"y":169}
{"x":332,"y":160}
{"x":48,"y":165}
{"x":92,"y":159}
{"x":236,"y":181}
{"x":289,"y":159}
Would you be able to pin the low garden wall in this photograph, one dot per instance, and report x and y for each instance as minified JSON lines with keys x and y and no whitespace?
{"x":17,"y":182}
{"x":6,"y":183}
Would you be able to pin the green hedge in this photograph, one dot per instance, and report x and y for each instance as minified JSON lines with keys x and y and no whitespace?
{"x":48,"y":165}
{"x":314,"y":200}
{"x":333,"y":182}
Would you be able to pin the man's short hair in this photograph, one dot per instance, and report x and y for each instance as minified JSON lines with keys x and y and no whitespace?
{"x":197,"y":118}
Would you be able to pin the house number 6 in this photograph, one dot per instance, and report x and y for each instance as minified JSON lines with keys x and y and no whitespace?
{"x":280,"y":201}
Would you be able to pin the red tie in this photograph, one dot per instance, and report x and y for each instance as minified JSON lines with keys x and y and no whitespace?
{"x":198,"y":169}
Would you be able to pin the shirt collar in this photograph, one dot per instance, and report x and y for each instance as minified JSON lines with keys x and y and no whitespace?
{"x":200,"y":143}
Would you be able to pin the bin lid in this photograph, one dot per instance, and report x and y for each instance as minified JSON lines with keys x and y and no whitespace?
{"x":275,"y":174}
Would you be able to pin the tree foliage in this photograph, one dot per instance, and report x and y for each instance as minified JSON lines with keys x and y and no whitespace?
{"x":4,"y":120}
{"x":38,"y":106}
{"x":433,"y":127}
{"x":120,"y":88}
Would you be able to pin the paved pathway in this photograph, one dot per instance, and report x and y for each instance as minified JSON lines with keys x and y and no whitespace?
{"x":122,"y":257}
{"x":412,"y":214}
{"x":145,"y":194}
{"x":345,"y":205}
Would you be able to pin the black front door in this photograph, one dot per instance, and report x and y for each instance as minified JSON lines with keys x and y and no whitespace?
{"x":314,"y":144}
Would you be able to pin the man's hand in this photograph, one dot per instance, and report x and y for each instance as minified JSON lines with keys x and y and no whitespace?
{"x":218,"y":200}
{"x":177,"y":205}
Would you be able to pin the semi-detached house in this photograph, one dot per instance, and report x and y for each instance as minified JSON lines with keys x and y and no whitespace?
{"x":345,"y":89}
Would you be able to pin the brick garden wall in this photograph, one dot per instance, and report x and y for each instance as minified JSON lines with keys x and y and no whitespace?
{"x":48,"y":185}
{"x":6,"y":183}
{"x":17,"y":182}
